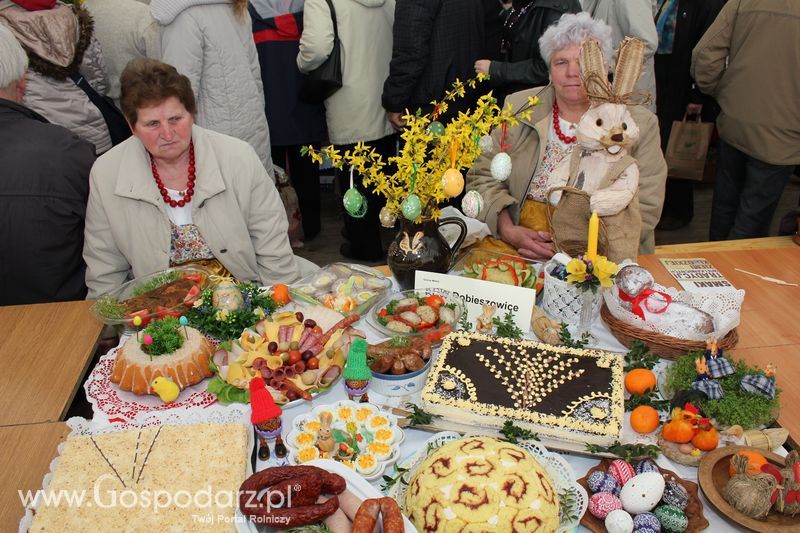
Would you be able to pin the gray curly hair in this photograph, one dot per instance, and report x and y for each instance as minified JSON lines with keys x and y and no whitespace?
{"x":13,"y":60}
{"x":574,"y":29}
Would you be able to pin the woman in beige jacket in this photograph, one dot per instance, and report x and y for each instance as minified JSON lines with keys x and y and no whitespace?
{"x":175,"y":193}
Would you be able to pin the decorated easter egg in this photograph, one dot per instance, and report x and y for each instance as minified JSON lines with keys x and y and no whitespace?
{"x":452,"y":182}
{"x":594,"y":480}
{"x":602,"y":503}
{"x":672,"y":519}
{"x":621,"y":471}
{"x":353,"y":202}
{"x":472,"y":204}
{"x":645,"y":523}
{"x":619,"y":521}
{"x":387,"y":218}
{"x":646,"y":466}
{"x":411,"y":207}
{"x":486,"y":144}
{"x":226,"y":296}
{"x":676,"y":495}
{"x":609,"y":484}
{"x":642,"y":493}
{"x":501,"y":166}
{"x":436,"y":128}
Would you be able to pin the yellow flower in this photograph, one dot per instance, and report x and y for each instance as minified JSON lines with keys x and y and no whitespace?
{"x":259,"y":313}
{"x":221,"y":316}
{"x":576,"y":271}
{"x":604,"y":270}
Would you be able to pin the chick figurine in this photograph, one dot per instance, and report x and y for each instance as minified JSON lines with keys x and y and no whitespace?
{"x":166,"y":389}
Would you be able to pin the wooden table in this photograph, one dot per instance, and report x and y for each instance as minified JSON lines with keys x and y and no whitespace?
{"x":45,"y":350}
{"x":25,"y":458}
{"x":770,"y":320}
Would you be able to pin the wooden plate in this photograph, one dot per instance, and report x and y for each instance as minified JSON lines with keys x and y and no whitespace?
{"x":713,"y":476}
{"x":693,"y":511}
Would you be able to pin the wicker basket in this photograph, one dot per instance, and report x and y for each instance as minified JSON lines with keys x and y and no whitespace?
{"x":661,"y":345}
{"x":563,"y":301}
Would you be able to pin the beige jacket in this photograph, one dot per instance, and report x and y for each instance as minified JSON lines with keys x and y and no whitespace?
{"x":527,"y":150}
{"x":235,"y":206}
{"x":354,"y":112}
{"x":125,"y":30}
{"x":631,"y":18}
{"x":756,"y":84}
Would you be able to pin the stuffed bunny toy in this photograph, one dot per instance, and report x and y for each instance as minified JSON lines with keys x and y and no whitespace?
{"x":603,"y":177}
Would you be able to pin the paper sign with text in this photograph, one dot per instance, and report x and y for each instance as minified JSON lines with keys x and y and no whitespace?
{"x":696,"y":274}
{"x":475,"y":292}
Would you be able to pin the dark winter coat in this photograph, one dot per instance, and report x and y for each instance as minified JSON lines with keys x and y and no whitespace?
{"x":523,"y":66}
{"x":672,"y":70}
{"x":435,"y":42}
{"x":44,"y":188}
{"x":276,"y":30}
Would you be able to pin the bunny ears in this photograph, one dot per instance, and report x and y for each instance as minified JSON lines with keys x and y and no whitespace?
{"x":630,"y":60}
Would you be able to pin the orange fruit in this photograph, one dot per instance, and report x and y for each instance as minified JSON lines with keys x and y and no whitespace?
{"x":754,"y":462}
{"x":639,"y":381}
{"x":644,"y":419}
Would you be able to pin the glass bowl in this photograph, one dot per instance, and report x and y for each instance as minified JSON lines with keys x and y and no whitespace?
{"x":466,"y":263}
{"x":435,"y":333}
{"x":114,"y":308}
{"x":344,"y":287}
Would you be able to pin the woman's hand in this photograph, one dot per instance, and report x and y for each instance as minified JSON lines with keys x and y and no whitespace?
{"x":397,"y":120}
{"x":529,"y":243}
{"x":482,"y":66}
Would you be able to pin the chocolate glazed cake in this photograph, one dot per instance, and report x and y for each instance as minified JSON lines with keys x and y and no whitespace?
{"x":562,"y":393}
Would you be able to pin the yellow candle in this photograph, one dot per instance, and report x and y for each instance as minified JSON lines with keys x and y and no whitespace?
{"x":594,"y":230}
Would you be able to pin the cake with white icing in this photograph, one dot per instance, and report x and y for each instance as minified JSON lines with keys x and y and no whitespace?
{"x":562,"y":393}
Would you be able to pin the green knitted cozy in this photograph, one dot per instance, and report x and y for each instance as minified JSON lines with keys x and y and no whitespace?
{"x":356,"y":368}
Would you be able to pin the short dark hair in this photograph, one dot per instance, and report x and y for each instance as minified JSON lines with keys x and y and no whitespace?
{"x":147,"y":82}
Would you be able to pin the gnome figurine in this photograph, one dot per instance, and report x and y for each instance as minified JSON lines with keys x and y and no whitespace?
{"x":266,"y":417}
{"x":356,"y":372}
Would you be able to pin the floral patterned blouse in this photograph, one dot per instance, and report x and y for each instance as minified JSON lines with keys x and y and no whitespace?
{"x":554,"y":153}
{"x":187,"y":245}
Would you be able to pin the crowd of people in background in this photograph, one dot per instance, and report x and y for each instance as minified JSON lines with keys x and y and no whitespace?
{"x":225,"y":82}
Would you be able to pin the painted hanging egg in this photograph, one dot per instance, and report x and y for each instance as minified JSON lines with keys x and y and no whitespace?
{"x":672,"y":519}
{"x":619,"y":521}
{"x":353,"y":201}
{"x":472,"y":204}
{"x":226,"y":296}
{"x":602,"y":503}
{"x":501,"y":166}
{"x":621,"y":471}
{"x":486,"y":144}
{"x":646,"y":523}
{"x":676,"y":495}
{"x":642,"y":493}
{"x":387,"y":217}
{"x":412,"y":207}
{"x":436,"y":128}
{"x":452,"y":182}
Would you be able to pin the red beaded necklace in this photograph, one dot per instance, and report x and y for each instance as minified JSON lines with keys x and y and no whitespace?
{"x":187,"y":196}
{"x":556,"y":126}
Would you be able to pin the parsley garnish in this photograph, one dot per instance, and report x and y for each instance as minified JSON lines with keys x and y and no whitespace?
{"x":639,"y":356}
{"x":513,"y":433}
{"x":506,"y":327}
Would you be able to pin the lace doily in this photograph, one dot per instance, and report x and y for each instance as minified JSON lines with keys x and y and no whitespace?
{"x":82,"y":426}
{"x":563,"y":301}
{"x":724,"y":307}
{"x":116,"y":405}
{"x":558,"y":469}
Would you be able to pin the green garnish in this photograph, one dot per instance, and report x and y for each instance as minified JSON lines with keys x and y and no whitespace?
{"x":230,"y":325}
{"x":156,"y":282}
{"x":737,"y":407}
{"x":166,"y":336}
{"x":399,"y":342}
{"x":513,"y":433}
{"x":418,"y":417}
{"x":389,"y":482}
{"x":391,"y":307}
{"x":637,"y":400}
{"x":566,"y":507}
{"x":110,"y":307}
{"x":464,"y":322}
{"x":567,"y":341}
{"x":449,"y":306}
{"x":639,"y":356}
{"x":227,"y":393}
{"x":628,"y":452}
{"x":507,"y":327}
